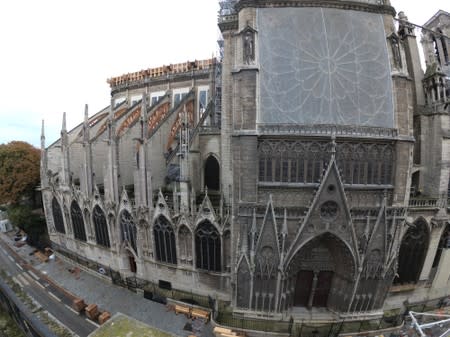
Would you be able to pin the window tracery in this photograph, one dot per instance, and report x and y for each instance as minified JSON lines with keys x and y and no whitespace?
{"x":164,"y":241}
{"x":304,"y":162}
{"x":77,"y":221}
{"x":58,"y":217}
{"x":185,"y":245}
{"x":101,"y":227}
{"x":128,"y":229}
{"x":208,"y":247}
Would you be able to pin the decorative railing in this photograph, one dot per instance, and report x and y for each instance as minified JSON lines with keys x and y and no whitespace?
{"x":427,"y":203}
{"x":328,"y":130}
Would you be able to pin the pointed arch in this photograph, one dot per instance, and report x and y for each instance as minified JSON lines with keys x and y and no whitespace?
{"x":128,"y":230}
{"x":185,"y":244}
{"x":413,"y":251}
{"x":165,"y":246}
{"x":101,"y":227}
{"x":227,"y":251}
{"x":243,"y":287}
{"x":322,"y":273}
{"x":208,"y":247}
{"x":76,"y":215}
{"x":58,"y":219}
{"x":212,"y":173}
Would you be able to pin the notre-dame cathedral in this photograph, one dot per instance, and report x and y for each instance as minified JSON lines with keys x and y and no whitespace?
{"x":304,"y":170}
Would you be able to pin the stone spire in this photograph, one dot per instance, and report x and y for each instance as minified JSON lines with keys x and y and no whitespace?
{"x":86,"y":124}
{"x":111,"y":177}
{"x":42,"y":136}
{"x":65,"y":165}
{"x":253,"y":232}
{"x":44,"y":181}
{"x":143,"y":186}
{"x":284,"y":230}
{"x":87,"y":149}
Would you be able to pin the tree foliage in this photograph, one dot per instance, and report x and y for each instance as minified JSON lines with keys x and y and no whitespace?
{"x":19,"y":171}
{"x":32,"y":222}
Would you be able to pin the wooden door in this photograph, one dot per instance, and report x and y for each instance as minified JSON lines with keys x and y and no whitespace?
{"x":303,"y":287}
{"x":322,"y":289}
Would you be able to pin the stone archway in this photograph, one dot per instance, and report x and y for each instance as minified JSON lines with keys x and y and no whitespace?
{"x":412,"y":253}
{"x":321,"y":273}
{"x":212,"y":173}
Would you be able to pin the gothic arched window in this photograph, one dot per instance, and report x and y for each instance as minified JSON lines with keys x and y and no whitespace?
{"x":164,"y":241}
{"x":77,"y":221}
{"x":207,"y":247}
{"x":128,"y":229}
{"x":58,"y":217}
{"x":101,"y":227}
{"x":185,"y":244}
{"x":412,"y":253}
{"x":212,"y":173}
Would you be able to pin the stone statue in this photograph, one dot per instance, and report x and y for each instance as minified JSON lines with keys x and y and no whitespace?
{"x":249,"y":50}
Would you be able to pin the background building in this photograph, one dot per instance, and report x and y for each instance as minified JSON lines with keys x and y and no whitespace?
{"x":306,"y":168}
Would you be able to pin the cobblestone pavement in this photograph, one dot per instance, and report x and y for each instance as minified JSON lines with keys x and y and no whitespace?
{"x":110,"y":297}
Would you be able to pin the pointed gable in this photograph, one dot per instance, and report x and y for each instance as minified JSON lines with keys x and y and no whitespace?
{"x":161,"y":207}
{"x":375,"y":256}
{"x":329,"y":212}
{"x":267,"y":245}
{"x":206,"y":211}
{"x":124,"y":201}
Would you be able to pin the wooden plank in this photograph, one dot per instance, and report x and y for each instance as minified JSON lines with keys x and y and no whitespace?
{"x":182,"y":309}
{"x":221,"y":330}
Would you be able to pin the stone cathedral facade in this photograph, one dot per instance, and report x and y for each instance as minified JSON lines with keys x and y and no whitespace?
{"x":305,"y":168}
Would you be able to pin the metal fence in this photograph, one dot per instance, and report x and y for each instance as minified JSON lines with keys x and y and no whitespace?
{"x":390,"y":320}
{"x":302,"y":329}
{"x":82,"y":261}
{"x":27,"y":322}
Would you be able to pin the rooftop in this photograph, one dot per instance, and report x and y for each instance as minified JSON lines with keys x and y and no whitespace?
{"x":160,"y":71}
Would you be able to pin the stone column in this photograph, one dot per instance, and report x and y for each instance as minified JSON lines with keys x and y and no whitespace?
{"x":313,"y":288}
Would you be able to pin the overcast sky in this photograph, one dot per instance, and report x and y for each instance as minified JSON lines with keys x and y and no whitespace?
{"x":57,"y":55}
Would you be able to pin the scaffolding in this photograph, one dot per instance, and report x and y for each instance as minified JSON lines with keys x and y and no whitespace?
{"x":430,"y":324}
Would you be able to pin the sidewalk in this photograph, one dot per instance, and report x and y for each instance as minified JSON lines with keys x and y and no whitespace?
{"x":109,"y":296}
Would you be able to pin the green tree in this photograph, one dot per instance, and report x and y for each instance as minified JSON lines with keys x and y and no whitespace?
{"x":32,"y":222}
{"x":19,"y":172}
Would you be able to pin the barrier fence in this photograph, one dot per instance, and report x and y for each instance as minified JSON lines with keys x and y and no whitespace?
{"x":25,"y":319}
{"x":160,"y":293}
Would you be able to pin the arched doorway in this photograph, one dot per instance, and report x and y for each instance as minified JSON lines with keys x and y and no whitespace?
{"x":321,"y":271}
{"x":132,"y":262}
{"x":412,"y":254}
{"x":212,"y":174}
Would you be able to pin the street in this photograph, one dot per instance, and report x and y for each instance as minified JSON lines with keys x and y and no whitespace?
{"x":50,"y":298}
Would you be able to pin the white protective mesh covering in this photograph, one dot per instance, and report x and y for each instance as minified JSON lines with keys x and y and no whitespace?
{"x":323,"y":66}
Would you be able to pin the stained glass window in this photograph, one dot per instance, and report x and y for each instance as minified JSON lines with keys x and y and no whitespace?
{"x":101,"y":227}
{"x":77,"y":221}
{"x":164,"y":241}
{"x":58,"y":217}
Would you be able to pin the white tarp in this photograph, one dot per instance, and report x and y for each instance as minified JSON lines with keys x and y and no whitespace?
{"x":323,"y":66}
